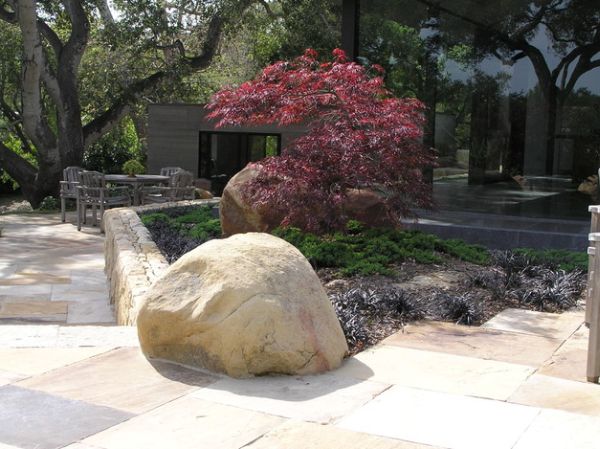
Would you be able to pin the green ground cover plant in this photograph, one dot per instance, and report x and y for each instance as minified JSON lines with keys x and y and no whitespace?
{"x":364,"y":251}
{"x":374,"y":251}
{"x":556,"y":258}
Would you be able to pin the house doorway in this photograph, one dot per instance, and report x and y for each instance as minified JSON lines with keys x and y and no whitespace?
{"x":223,"y":154}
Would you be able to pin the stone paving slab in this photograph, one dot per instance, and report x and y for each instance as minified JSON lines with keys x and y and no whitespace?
{"x":302,"y":435}
{"x":440,"y":419}
{"x":34,"y":311}
{"x":72,"y":294}
{"x":91,"y":312}
{"x":55,"y":336}
{"x":561,"y":430}
{"x":318,"y":399}
{"x":26,"y":290}
{"x":551,"y":325}
{"x":473,"y":341}
{"x":28,"y":336}
{"x":554,"y":393}
{"x":31,"y":278}
{"x":83,"y":336}
{"x":8,"y":377}
{"x":436,"y":371}
{"x":122,"y":379}
{"x":78,"y":446}
{"x":7,"y":446}
{"x":570,"y":360}
{"x":26,"y":298}
{"x":59,"y":264}
{"x":34,"y":361}
{"x":36,"y":420}
{"x":187,"y":423}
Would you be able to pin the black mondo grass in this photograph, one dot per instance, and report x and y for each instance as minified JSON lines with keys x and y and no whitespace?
{"x":461,"y":309}
{"x":359,"y":308}
{"x":551,"y":290}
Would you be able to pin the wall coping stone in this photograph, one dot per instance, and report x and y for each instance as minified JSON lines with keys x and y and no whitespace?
{"x":133,"y":262}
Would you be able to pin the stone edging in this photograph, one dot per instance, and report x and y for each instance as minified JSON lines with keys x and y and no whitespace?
{"x":132,"y":259}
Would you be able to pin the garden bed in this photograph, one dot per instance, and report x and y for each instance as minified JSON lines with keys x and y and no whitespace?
{"x":379,"y":280}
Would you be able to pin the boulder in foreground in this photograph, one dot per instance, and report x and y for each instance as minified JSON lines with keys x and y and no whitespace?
{"x":247,"y":305}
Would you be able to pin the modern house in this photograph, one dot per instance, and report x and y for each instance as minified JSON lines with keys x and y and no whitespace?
{"x":512,"y":91}
{"x":180,"y":135}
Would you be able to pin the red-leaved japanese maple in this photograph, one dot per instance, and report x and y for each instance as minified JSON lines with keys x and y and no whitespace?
{"x":358,"y":136}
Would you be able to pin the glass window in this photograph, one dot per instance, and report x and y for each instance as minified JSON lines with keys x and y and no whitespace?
{"x":512,"y":90}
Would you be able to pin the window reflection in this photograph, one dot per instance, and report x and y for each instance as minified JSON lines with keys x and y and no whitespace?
{"x":512,"y":90}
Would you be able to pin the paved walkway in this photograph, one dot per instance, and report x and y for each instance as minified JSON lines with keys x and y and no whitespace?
{"x":517,"y":382}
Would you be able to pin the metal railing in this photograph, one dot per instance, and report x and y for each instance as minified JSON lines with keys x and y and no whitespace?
{"x":592,"y":305}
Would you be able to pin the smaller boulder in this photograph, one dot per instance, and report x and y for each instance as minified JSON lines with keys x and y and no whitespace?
{"x":202,"y":194}
{"x":589,"y":186}
{"x":237,"y":214}
{"x":368,"y":207}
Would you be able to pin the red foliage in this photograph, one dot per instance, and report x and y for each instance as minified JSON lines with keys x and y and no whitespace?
{"x":359,"y":136}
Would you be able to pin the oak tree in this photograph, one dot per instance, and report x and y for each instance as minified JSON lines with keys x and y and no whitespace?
{"x":42,"y":104}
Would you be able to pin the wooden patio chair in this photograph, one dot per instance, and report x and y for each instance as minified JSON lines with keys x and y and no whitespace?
{"x":92,"y":192}
{"x":169,"y":171}
{"x":181,"y":187}
{"x":68,"y":188}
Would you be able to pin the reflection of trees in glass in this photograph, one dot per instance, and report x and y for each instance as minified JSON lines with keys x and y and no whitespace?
{"x":398,"y":49}
{"x":513,"y":30}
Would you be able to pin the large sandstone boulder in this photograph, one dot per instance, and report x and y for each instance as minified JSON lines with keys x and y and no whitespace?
{"x":247,"y":305}
{"x":238,"y":215}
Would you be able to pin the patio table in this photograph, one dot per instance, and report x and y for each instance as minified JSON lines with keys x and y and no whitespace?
{"x":136,"y":182}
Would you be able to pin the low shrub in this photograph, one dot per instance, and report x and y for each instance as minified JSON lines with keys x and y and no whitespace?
{"x":151,"y":218}
{"x":179,"y":230}
{"x":556,"y":258}
{"x":49,"y":204}
{"x":470,"y":253}
{"x":373,"y":251}
{"x":133,"y":167}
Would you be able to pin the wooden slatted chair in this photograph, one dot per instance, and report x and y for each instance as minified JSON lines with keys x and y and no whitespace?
{"x":181,"y":187}
{"x":68,"y":188}
{"x":92,"y":192}
{"x":169,"y":171}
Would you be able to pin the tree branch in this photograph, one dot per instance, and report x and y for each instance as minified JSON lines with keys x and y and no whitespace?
{"x":530,"y":26}
{"x":17,"y":167}
{"x":50,"y":36}
{"x":120,"y":108}
{"x":34,"y":120}
{"x":15,"y":124}
{"x":516,"y":44}
{"x":80,"y":29}
{"x":592,"y":48}
{"x":6,"y":15}
{"x":268,"y":9}
{"x":105,"y":12}
{"x":583,"y":65}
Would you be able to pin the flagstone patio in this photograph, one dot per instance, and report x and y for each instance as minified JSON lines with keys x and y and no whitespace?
{"x":70,"y":378}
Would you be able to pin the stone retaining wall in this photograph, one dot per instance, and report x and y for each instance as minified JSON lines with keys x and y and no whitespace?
{"x":133,"y":261}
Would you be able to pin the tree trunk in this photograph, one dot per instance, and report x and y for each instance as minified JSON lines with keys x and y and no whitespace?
{"x":551,"y":99}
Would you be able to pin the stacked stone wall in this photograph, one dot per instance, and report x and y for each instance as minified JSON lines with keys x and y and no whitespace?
{"x":133,"y":261}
